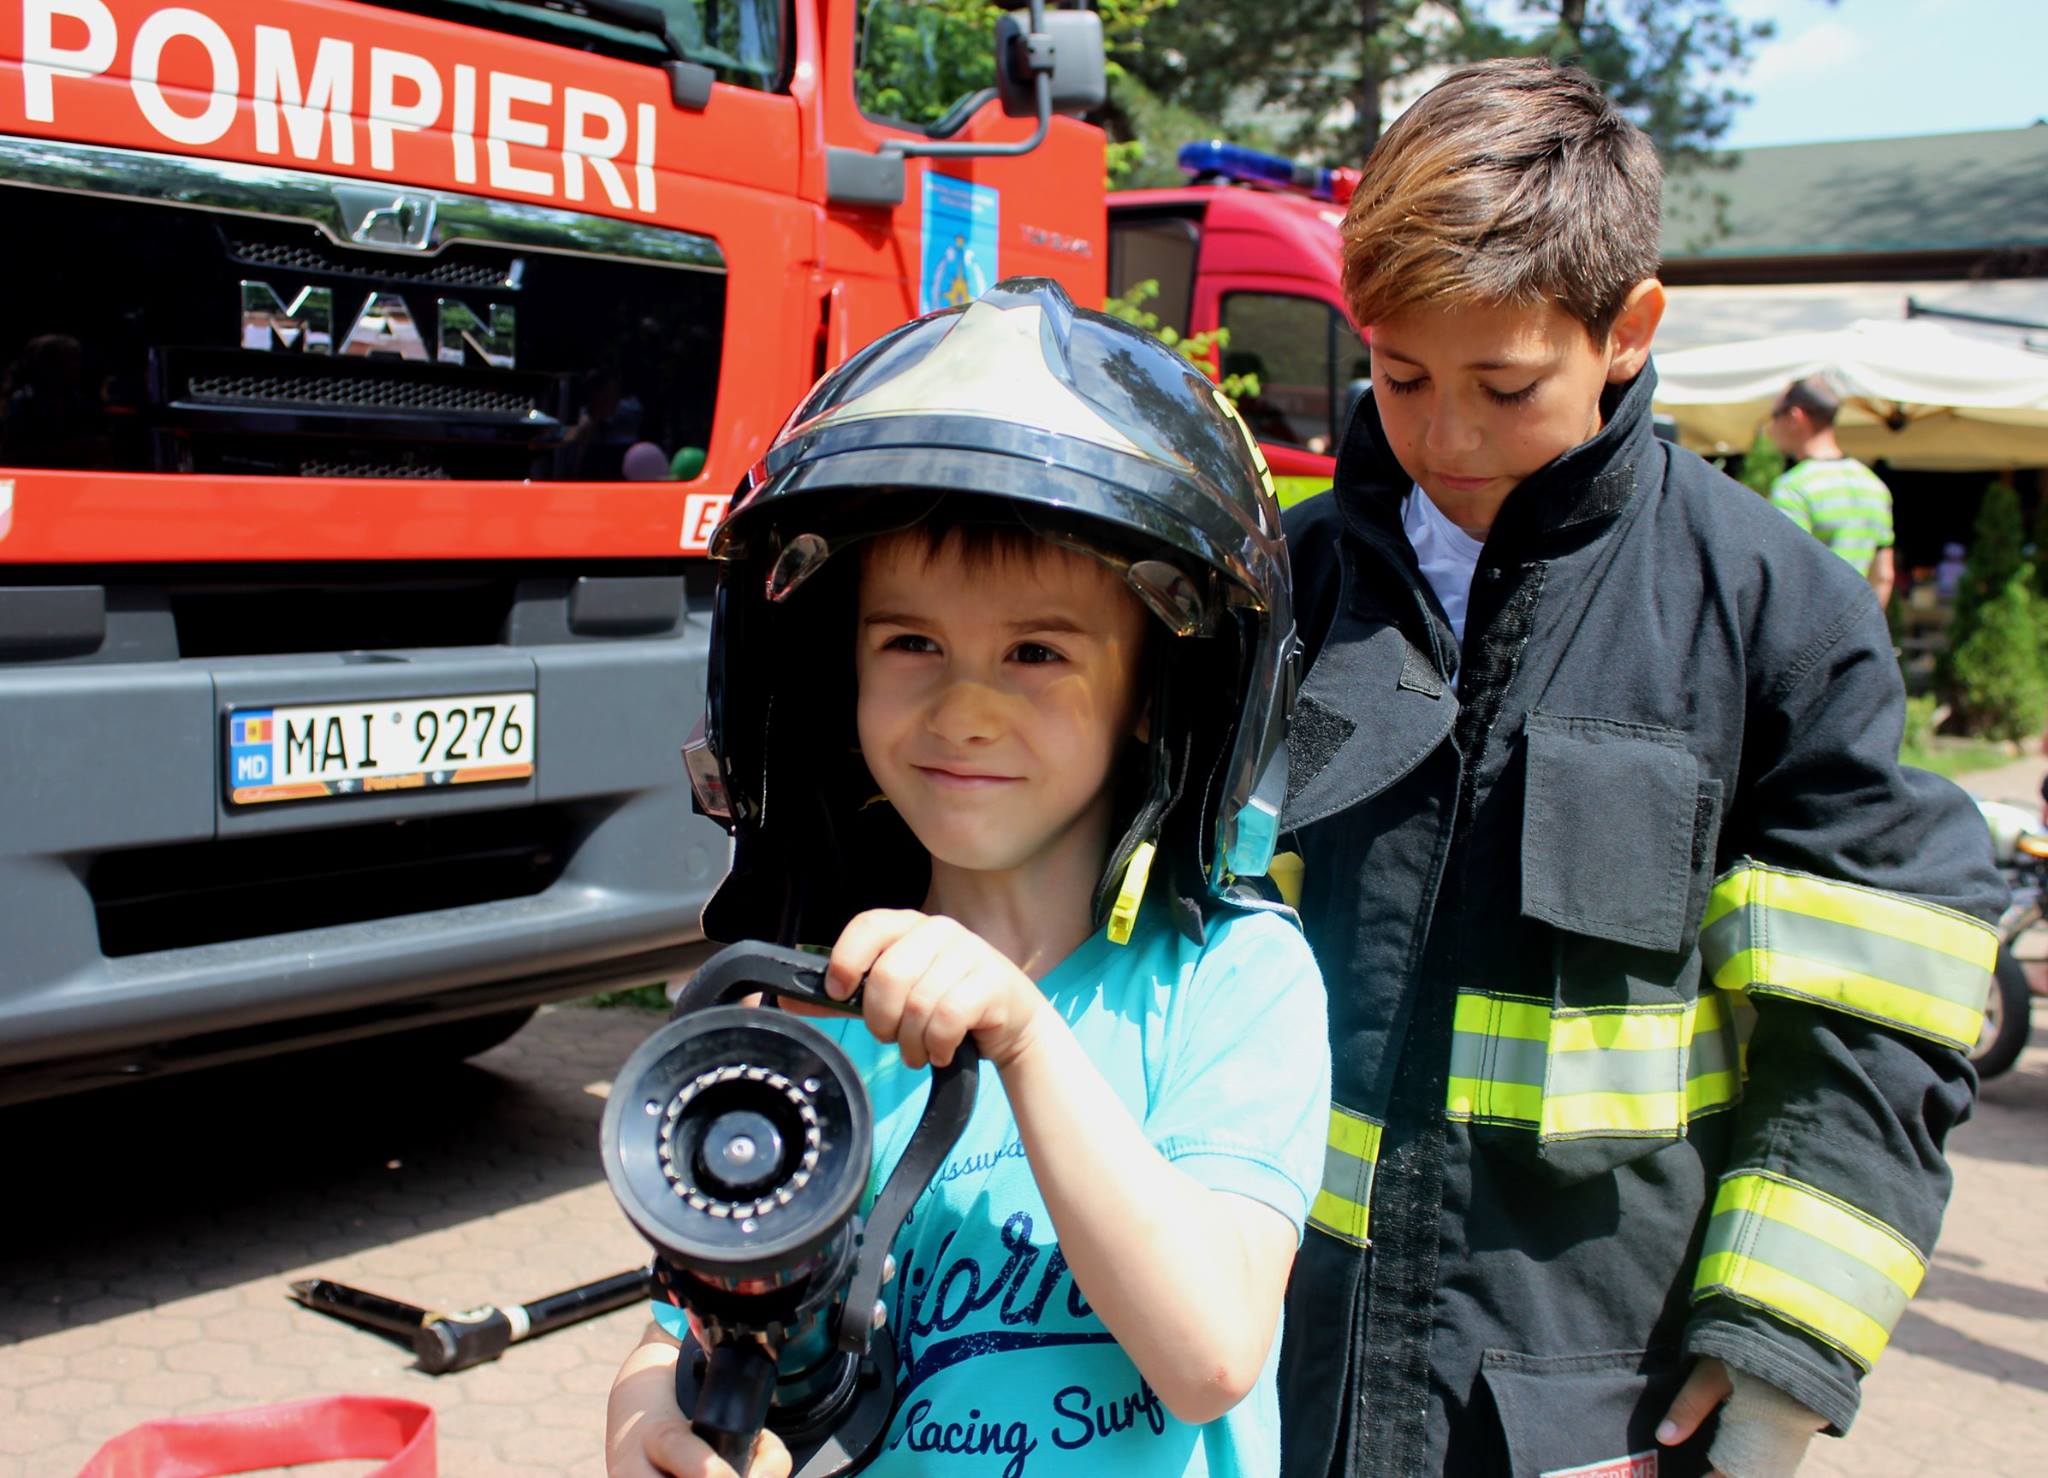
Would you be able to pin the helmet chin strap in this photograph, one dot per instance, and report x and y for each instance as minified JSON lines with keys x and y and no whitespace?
{"x":1120,"y":890}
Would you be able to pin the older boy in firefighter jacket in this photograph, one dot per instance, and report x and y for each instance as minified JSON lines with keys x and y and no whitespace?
{"x":1651,"y":971}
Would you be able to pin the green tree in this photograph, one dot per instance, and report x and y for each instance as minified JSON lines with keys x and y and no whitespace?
{"x":2040,"y":542}
{"x":919,"y":58}
{"x":1997,"y":553}
{"x":2000,"y":685}
{"x":1672,"y":65}
{"x":1326,"y":66}
{"x":1762,"y":465}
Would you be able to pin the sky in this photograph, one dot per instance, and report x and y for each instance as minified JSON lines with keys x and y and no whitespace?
{"x":1864,"y":69}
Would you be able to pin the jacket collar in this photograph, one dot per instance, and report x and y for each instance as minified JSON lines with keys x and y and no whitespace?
{"x":1589,"y":484}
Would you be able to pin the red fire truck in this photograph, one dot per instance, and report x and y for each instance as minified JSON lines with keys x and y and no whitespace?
{"x":1251,"y":245}
{"x":373,"y":369}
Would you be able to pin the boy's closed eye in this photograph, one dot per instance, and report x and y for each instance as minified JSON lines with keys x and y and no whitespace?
{"x":1497,"y":396}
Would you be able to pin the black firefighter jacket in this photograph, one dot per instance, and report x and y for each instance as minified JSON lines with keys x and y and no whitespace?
{"x":1649,"y":821}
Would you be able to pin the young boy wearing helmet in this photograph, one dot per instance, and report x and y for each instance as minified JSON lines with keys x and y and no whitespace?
{"x":1002,"y":651}
{"x":1650,"y":967}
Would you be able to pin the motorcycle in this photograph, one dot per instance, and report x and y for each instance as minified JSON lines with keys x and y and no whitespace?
{"x":2020,"y":847}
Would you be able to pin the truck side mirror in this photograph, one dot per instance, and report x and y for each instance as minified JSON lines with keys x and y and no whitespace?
{"x":1067,"y":48}
{"x":1051,"y":63}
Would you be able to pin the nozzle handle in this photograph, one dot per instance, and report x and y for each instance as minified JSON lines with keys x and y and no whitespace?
{"x":948,"y":1107}
{"x":733,"y":1398}
{"x":749,"y":966}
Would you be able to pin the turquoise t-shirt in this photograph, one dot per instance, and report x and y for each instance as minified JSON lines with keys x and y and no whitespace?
{"x":1221,"y":1053}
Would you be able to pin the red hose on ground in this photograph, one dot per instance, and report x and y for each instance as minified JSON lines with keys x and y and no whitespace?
{"x":322,"y":1429}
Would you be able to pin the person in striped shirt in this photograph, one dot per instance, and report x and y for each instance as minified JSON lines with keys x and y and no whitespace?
{"x":1834,"y":497}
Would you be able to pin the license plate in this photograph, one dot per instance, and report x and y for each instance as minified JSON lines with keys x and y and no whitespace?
{"x":340,"y":749}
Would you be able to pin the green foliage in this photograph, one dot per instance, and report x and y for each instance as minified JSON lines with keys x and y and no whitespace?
{"x":1201,"y":350}
{"x":1922,"y":715}
{"x":1999,"y":680}
{"x":1670,"y":64}
{"x":920,"y":57}
{"x":1762,"y":465}
{"x":1924,"y":750}
{"x":2040,"y":542}
{"x":1997,"y":553}
{"x":1304,"y":61}
{"x":1146,"y":132}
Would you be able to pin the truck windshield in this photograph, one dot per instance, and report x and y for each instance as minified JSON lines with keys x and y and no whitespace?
{"x":740,"y":40}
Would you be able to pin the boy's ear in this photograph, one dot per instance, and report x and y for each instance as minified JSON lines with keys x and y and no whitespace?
{"x":1628,"y":342}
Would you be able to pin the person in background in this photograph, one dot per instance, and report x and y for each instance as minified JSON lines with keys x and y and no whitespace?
{"x":1948,"y":575}
{"x":1832,"y":496}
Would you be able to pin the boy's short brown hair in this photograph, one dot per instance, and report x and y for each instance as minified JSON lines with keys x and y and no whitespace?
{"x":1510,"y":182}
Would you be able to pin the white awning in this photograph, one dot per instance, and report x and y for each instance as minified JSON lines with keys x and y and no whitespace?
{"x":1918,"y":393}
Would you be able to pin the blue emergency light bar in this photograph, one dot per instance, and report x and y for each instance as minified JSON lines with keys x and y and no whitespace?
{"x":1213,"y":158}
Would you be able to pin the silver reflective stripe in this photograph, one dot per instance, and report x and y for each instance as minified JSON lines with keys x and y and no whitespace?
{"x":1633,"y":1071}
{"x":1656,"y":1071}
{"x":1864,"y":951}
{"x":1343,"y":1207}
{"x":1715,"y":1048}
{"x":1498,"y":1059}
{"x":1809,"y":1259}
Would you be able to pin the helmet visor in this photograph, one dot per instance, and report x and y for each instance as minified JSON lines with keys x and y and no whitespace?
{"x":1188,"y":603}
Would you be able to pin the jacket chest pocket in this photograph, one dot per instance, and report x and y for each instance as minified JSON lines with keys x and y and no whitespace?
{"x":1617,"y":848}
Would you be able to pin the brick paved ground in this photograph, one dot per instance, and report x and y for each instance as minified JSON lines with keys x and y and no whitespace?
{"x":150,"y":1234}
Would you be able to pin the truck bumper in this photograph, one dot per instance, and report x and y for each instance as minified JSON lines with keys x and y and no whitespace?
{"x":118,"y":849}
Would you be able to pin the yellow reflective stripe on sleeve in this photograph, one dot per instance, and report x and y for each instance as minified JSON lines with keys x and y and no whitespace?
{"x":1343,"y":1207}
{"x":1620,"y":1071}
{"x":1928,"y":924}
{"x":1776,"y":973}
{"x":1912,"y":966}
{"x":1810,"y":1259}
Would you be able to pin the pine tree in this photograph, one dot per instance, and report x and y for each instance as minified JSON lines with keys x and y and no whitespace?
{"x":2000,"y":684}
{"x":1997,"y":553}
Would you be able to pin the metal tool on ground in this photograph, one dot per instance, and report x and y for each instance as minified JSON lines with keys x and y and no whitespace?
{"x":446,"y":1343}
{"x":738,"y":1142}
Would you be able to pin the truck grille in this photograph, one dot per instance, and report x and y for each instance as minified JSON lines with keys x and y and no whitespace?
{"x":301,"y":249}
{"x":382,"y":389}
{"x":182,"y":366}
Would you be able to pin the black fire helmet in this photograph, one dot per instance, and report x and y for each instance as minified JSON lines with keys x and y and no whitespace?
{"x":1016,"y":409}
